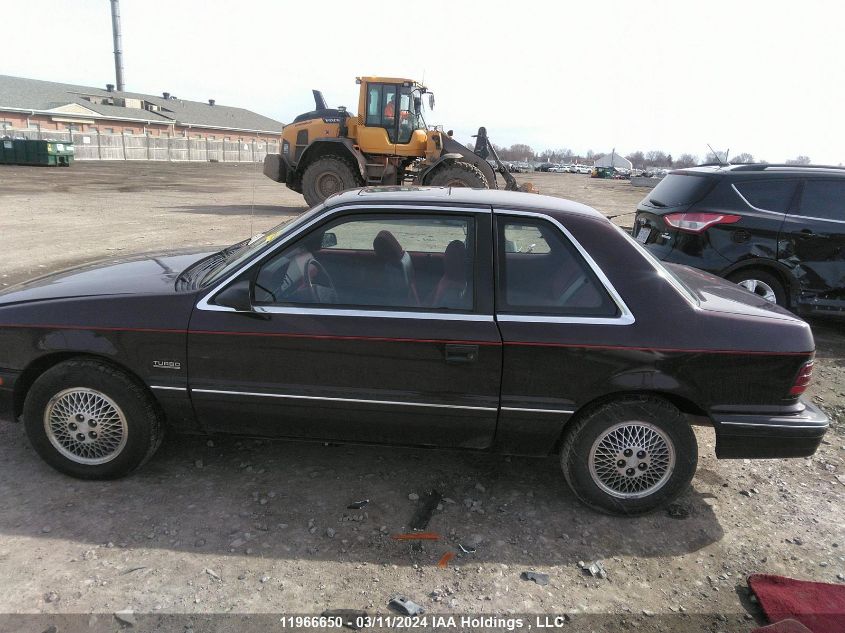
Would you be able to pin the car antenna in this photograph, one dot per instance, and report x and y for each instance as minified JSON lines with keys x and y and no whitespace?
{"x":718,"y":158}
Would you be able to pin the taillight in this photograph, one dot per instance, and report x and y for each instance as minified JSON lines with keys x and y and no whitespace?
{"x":698,"y":222}
{"x":802,"y":380}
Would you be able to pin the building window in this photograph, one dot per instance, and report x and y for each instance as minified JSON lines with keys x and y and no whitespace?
{"x":128,"y":130}
{"x":108,"y":130}
{"x":211,"y":137}
{"x":5,"y":125}
{"x":198,"y":136}
{"x":34,"y":126}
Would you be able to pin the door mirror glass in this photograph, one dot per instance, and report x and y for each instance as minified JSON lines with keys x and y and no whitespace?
{"x":329,"y":240}
{"x":235,"y":296}
{"x":431,"y":101}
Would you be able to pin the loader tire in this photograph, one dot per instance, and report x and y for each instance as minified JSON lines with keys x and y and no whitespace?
{"x":327,"y":176}
{"x":459,"y":174}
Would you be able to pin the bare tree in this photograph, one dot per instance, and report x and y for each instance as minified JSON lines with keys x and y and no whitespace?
{"x":799,"y":160}
{"x":716,"y":158}
{"x":686,"y":160}
{"x":637,"y":159}
{"x":656,"y":158}
{"x":743,"y":157}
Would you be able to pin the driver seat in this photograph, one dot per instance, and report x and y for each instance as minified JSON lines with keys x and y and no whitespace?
{"x":397,"y":270}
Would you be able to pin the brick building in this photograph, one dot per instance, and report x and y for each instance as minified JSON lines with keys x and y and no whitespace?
{"x":44,"y":109}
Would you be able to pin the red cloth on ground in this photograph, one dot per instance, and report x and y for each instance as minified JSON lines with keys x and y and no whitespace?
{"x":817,"y":605}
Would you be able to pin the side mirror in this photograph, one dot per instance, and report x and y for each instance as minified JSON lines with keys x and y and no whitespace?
{"x":329,"y":240}
{"x":235,"y":296}
{"x":431,"y":101}
{"x":417,"y":104}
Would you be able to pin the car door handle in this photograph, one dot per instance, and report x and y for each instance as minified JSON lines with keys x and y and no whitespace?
{"x":461,"y":354}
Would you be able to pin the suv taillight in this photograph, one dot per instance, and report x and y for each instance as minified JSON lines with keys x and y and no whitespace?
{"x":802,"y":380}
{"x":698,"y":222}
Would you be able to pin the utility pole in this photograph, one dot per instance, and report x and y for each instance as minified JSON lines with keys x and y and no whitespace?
{"x":118,"y":44}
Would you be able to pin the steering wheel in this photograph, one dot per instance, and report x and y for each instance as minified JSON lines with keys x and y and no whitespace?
{"x":329,"y":294}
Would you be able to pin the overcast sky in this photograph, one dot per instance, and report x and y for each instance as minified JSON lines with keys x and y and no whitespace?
{"x":764,"y":77}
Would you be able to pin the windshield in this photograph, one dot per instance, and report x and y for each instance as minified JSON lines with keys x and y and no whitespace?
{"x":410,"y":114}
{"x":257,"y":243}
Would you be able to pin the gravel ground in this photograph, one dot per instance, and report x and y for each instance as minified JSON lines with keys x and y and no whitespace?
{"x":230,"y":526}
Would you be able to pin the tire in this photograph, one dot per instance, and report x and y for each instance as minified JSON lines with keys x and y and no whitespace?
{"x":327,"y":176}
{"x":127,"y":426}
{"x":459,"y":174}
{"x":670,"y":466}
{"x":763,"y":284}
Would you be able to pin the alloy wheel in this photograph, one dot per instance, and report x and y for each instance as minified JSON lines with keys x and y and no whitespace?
{"x":759,"y":288}
{"x":85,"y":426}
{"x":632,"y":460}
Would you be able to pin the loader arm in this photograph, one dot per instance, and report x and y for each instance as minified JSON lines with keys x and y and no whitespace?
{"x":484,"y":148}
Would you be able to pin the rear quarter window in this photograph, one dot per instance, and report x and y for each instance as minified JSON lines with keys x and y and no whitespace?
{"x":767,"y":194}
{"x":680,"y":189}
{"x":824,"y":199}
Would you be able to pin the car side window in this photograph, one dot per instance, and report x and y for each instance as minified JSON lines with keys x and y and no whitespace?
{"x":541,"y":272}
{"x":823,"y":199}
{"x":769,"y":195}
{"x":386,"y":261}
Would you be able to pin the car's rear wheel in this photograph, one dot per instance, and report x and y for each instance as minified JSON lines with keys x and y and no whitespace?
{"x":90,"y":420}
{"x":630,"y":456}
{"x":761,"y":283}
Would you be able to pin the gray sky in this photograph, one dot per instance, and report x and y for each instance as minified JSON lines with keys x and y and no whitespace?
{"x":764,"y":77}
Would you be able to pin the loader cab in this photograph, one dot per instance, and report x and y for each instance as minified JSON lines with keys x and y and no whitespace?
{"x":391,"y":110}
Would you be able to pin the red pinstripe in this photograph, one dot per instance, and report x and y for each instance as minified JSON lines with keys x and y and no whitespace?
{"x":386,"y":339}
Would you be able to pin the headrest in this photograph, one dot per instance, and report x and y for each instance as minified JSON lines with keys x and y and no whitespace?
{"x":387,"y":247}
{"x":454,"y":264}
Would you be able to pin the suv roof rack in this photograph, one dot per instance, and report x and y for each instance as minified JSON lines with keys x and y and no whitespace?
{"x":764,"y":166}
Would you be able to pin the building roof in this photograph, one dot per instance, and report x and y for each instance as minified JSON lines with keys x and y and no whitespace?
{"x":21,"y":94}
{"x":613,"y":160}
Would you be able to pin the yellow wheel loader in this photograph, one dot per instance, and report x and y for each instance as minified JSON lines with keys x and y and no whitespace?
{"x":329,"y":150}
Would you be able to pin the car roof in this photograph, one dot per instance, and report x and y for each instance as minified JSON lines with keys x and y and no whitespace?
{"x":763,"y":168}
{"x":414,"y":195}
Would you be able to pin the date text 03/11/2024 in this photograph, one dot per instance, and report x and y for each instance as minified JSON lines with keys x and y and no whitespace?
{"x":464,"y":622}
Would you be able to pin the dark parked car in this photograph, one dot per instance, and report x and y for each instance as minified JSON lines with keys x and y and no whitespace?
{"x":777,"y":230}
{"x":479,"y":320}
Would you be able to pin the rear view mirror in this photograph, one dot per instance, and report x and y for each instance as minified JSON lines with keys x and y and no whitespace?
{"x":431,"y":101}
{"x":329,"y":240}
{"x":235,"y":296}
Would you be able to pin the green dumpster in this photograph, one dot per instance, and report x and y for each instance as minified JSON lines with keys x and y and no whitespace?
{"x":22,"y":151}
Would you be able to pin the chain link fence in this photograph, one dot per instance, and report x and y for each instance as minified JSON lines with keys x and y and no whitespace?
{"x":94,"y":146}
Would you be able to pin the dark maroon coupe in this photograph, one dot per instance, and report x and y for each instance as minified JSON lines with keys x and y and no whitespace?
{"x":481,"y":320}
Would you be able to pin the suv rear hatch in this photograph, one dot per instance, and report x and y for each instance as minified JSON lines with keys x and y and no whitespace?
{"x":676,"y":193}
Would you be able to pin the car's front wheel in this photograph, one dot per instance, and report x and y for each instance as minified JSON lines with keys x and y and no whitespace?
{"x":630,"y":456}
{"x":89,"y":420}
